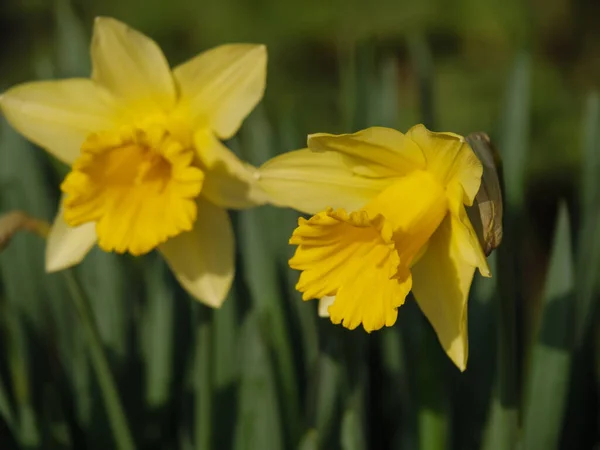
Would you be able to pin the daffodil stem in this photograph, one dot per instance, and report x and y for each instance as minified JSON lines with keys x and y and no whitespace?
{"x":114,"y":408}
{"x":203,"y":366}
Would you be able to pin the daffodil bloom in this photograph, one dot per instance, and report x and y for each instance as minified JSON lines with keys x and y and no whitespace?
{"x":389,"y":217}
{"x":147,"y":167}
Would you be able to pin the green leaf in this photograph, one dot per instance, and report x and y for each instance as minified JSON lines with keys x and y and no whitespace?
{"x":327,"y":396}
{"x":551,"y":356}
{"x":259,"y":423}
{"x":309,"y":441}
{"x":261,"y":238}
{"x":203,"y":382}
{"x":72,"y":42}
{"x":226,"y":369}
{"x":156,"y":325}
{"x":588,"y":254}
{"x":502,"y":427}
{"x":422,"y":61}
{"x":513,"y":141}
{"x":20,"y":366}
{"x":108,"y":283}
{"x":353,"y":432}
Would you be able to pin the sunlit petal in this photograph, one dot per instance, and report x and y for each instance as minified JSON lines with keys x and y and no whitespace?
{"x":450,"y":158}
{"x":132,"y":66}
{"x":59,"y":115}
{"x":374,"y":152}
{"x":441,"y":283}
{"x":221,"y":86}
{"x":312,"y":181}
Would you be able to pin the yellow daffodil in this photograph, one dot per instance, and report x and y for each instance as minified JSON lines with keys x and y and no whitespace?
{"x":147,"y":167}
{"x":389,"y":217}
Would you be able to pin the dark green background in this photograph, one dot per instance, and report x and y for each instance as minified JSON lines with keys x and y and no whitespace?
{"x":264,"y":372}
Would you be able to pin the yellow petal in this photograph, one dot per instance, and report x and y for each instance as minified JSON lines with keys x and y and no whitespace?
{"x":324,"y":304}
{"x":441,"y":283}
{"x":132,"y":66}
{"x":374,"y":152}
{"x":67,"y":245}
{"x":229,"y":182}
{"x":449,"y":157}
{"x":139,"y":185}
{"x":202,"y":259}
{"x":415,"y":205}
{"x":351,"y":257}
{"x":311,"y":181}
{"x":221,"y":86}
{"x":469,"y":244}
{"x":59,"y":115}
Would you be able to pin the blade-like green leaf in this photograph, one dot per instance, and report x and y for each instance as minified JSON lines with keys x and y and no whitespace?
{"x":327,"y":398}
{"x":108,"y":284}
{"x":422,"y":61}
{"x":20,"y":366}
{"x":259,"y":423}
{"x":203,"y":382}
{"x":260,"y":242}
{"x":514,"y":136}
{"x":309,"y":441}
{"x":156,"y":324}
{"x":72,"y":42}
{"x":588,"y":251}
{"x":548,"y":381}
{"x":353,"y":432}
{"x":501,"y":429}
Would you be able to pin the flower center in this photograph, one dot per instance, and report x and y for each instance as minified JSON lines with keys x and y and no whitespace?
{"x":354,"y":258}
{"x":139,"y":185}
{"x":364,"y":258}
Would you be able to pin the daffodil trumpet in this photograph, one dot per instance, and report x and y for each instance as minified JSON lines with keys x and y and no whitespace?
{"x":148,"y":169}
{"x":388,"y":217}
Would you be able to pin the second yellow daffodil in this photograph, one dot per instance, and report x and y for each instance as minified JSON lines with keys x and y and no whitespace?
{"x":147,"y":167}
{"x":388,"y":217}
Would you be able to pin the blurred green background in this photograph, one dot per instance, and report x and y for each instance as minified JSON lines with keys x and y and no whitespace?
{"x":264,"y":372}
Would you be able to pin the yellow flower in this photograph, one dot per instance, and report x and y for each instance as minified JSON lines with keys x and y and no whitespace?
{"x":389,"y":217}
{"x":147,"y":167}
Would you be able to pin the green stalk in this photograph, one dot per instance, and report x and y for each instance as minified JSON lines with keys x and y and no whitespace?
{"x":114,"y":408}
{"x":203,"y":362}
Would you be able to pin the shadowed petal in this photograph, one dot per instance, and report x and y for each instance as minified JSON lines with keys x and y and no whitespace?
{"x":202,"y":259}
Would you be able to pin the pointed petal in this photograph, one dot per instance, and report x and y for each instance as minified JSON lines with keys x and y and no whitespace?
{"x":67,"y":245}
{"x":202,"y":259}
{"x":466,"y":237}
{"x":449,"y":157}
{"x":132,"y":66}
{"x":221,"y":86}
{"x":229,"y":182}
{"x":59,"y":115}
{"x":312,"y":181}
{"x":441,"y":283}
{"x":374,"y":152}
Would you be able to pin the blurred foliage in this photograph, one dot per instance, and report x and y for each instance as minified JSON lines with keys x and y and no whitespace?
{"x":264,"y":372}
